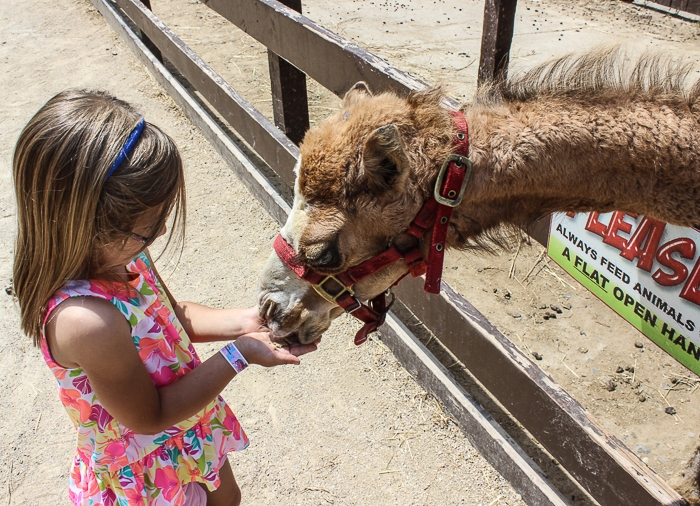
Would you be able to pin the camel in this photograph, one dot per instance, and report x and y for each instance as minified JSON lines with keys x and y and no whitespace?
{"x":592,"y":132}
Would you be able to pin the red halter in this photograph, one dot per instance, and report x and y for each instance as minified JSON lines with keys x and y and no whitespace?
{"x":436,"y":212}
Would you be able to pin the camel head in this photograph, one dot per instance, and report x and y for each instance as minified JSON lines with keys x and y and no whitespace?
{"x":358,"y":187}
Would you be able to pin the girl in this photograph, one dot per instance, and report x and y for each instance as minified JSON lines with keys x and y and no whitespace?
{"x":95,"y":185}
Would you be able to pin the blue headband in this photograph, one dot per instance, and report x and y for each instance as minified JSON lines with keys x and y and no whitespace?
{"x":130,"y":143}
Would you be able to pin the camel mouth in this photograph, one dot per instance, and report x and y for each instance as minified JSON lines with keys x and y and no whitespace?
{"x":284,"y":337}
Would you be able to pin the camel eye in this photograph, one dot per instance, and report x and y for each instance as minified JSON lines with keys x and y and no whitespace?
{"x":327,"y":258}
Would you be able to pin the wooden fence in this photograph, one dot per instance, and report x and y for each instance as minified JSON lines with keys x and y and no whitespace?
{"x":676,"y":6}
{"x":598,"y":461}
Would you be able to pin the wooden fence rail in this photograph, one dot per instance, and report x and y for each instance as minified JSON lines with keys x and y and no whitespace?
{"x":611,"y":473}
{"x":689,"y":6}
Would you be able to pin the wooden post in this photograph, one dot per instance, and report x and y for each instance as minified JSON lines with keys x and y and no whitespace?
{"x":148,"y":42}
{"x":290,"y":105}
{"x":497,"y":35}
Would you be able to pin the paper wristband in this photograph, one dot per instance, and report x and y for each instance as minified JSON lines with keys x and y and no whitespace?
{"x":234,"y":357}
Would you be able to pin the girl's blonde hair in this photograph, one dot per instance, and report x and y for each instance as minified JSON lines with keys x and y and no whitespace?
{"x":68,"y":210}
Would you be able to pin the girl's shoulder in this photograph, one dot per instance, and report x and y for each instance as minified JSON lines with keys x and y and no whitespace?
{"x":83,"y":309}
{"x":84,"y":325}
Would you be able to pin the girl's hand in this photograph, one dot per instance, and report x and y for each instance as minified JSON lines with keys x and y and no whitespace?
{"x":248,"y":320}
{"x":257,"y":348}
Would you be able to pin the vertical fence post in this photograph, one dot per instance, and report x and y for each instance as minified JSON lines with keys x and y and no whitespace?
{"x":497,"y":35}
{"x":148,"y":42}
{"x":290,"y":105}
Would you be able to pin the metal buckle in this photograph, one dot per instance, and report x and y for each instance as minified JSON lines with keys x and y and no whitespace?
{"x":459,"y":161}
{"x":332,"y":298}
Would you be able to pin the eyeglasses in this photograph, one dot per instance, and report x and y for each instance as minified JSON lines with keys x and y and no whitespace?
{"x":140,"y":238}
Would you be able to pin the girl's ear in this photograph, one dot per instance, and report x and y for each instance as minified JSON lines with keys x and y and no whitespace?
{"x":385,"y":164}
{"x":358,"y":91}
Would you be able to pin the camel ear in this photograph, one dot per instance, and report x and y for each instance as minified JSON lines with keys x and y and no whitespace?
{"x":385,"y":163}
{"x":358,"y":91}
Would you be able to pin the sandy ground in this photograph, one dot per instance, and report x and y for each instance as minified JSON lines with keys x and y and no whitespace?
{"x":348,"y":426}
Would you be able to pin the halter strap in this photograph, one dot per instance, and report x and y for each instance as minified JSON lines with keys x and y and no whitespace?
{"x":448,"y":193}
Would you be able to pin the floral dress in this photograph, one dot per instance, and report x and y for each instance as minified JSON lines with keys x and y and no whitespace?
{"x":114,"y":465}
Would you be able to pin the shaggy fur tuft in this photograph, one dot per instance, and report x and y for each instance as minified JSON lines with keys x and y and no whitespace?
{"x":603,"y":74}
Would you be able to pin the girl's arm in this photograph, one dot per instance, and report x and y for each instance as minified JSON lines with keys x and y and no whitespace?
{"x":205,"y":324}
{"x":92,"y":334}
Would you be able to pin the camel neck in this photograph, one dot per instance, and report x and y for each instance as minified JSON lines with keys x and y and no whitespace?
{"x":531,"y":159}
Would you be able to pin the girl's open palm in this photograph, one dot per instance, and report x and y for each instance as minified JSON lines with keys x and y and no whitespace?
{"x":257,"y":348}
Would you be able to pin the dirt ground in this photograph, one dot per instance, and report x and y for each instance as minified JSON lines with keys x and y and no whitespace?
{"x":348,"y":426}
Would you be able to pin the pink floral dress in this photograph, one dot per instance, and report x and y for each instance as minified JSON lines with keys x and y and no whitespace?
{"x":114,"y":465}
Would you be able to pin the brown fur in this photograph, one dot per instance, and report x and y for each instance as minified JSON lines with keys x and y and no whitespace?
{"x":585,"y":133}
{"x":581,"y":133}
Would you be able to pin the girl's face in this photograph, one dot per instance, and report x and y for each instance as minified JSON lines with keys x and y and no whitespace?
{"x":119,"y":254}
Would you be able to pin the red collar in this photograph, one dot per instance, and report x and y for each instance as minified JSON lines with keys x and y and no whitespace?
{"x":436,"y":212}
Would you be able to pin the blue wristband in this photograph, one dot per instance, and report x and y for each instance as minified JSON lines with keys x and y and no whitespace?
{"x":234,"y":357}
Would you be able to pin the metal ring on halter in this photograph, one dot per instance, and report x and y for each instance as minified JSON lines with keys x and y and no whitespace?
{"x":393,"y":298}
{"x":359,"y":305}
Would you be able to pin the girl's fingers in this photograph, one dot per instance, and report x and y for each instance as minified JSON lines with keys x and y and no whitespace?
{"x":283,"y":356}
{"x":289,"y":354}
{"x":264,"y":352}
{"x":302,"y":349}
